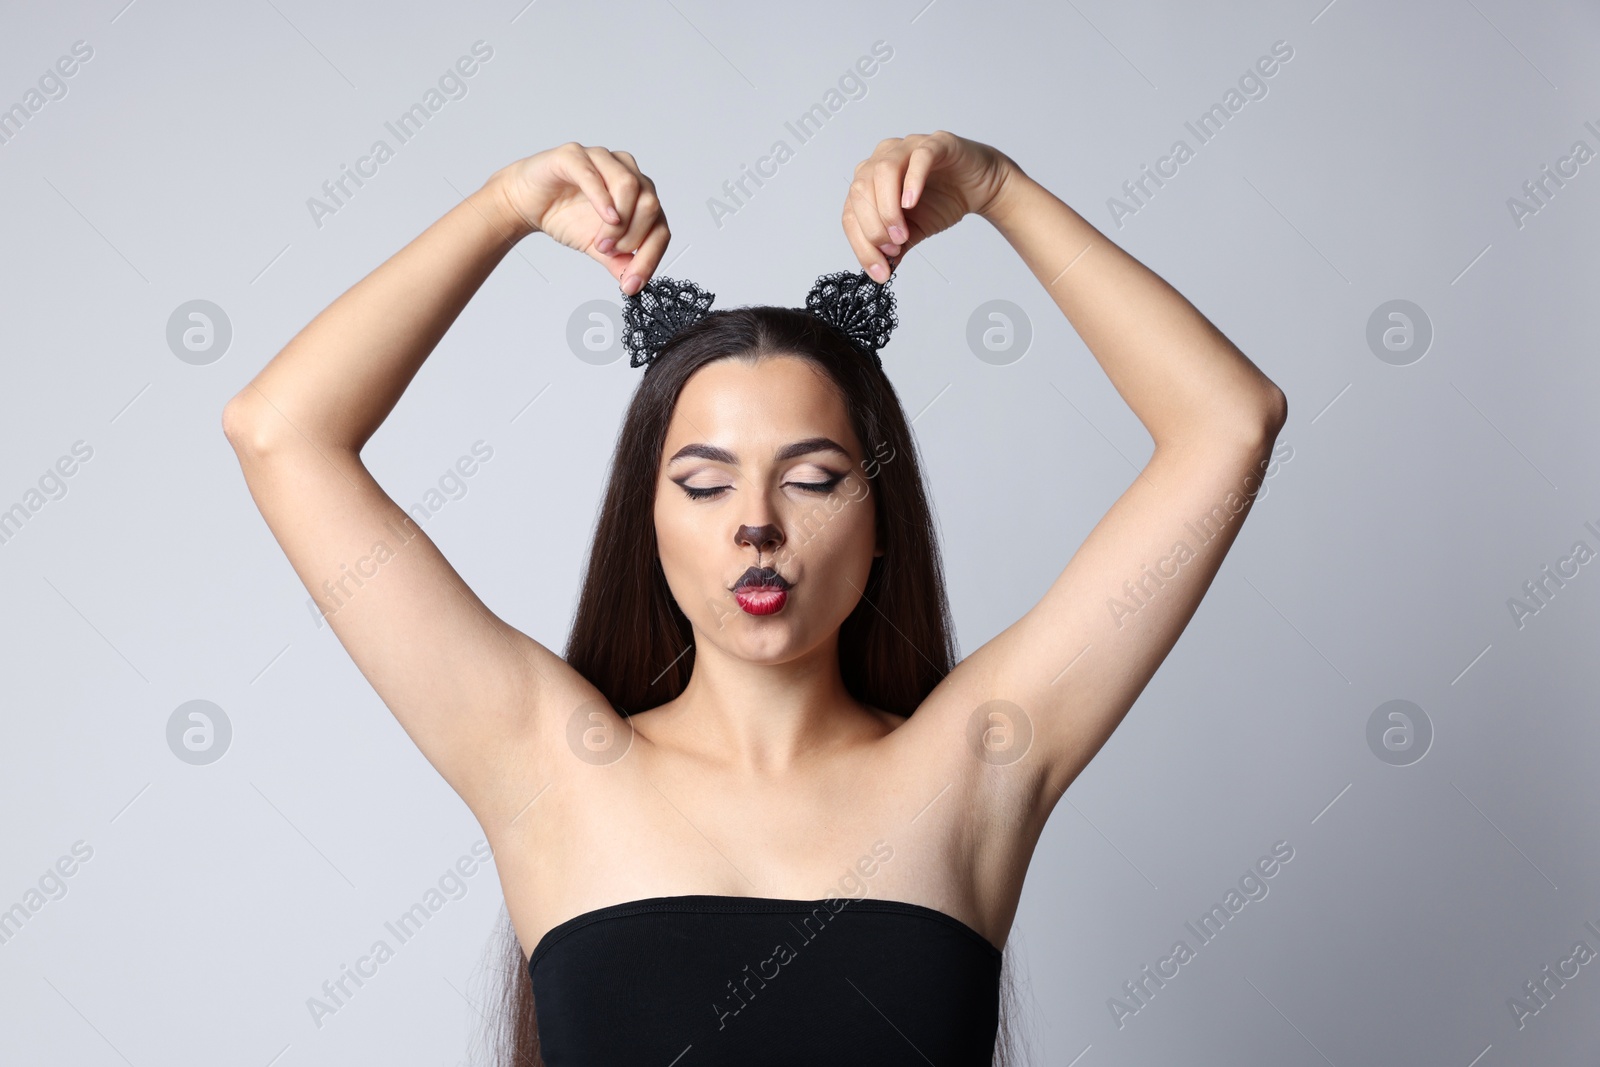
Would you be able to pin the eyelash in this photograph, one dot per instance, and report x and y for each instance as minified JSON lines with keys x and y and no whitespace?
{"x":697,"y":493}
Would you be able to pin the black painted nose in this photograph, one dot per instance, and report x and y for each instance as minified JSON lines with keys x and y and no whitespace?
{"x":766,"y":538}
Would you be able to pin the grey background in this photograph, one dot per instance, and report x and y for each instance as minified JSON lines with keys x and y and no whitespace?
{"x":1378,"y":565}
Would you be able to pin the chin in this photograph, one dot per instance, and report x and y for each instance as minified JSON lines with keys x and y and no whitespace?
{"x":775,"y":643}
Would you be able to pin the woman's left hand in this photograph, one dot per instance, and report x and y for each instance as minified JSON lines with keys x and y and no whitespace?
{"x":913,"y":187}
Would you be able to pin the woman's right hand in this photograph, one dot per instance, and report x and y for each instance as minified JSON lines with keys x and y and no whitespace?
{"x":593,"y":200}
{"x":913,"y":187}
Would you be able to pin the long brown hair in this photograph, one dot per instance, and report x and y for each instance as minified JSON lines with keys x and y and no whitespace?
{"x":628,"y":636}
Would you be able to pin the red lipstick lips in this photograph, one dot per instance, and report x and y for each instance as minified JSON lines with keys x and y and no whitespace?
{"x":761,"y":591}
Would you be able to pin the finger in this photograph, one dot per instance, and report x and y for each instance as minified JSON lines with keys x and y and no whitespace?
{"x":616,"y":266}
{"x":872,"y":258}
{"x":888,"y":179}
{"x":877,"y":253}
{"x":642,"y":264}
{"x":642,"y":219}
{"x":923,"y":157}
{"x":581,"y":171}
{"x":864,"y":201}
{"x":624,"y":185}
{"x":632,"y":270}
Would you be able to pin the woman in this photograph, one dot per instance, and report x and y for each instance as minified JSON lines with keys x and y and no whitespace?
{"x":758,"y":782}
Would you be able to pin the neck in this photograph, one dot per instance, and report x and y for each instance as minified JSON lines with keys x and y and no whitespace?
{"x":763,"y":719}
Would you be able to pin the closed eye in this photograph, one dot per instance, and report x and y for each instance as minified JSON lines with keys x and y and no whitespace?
{"x":707,"y":492}
{"x":702,"y":494}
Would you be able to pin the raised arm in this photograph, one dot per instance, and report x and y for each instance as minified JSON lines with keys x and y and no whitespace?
{"x":1077,"y":661}
{"x":469,"y":689}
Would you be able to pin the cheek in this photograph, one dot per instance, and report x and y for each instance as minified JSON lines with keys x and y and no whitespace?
{"x":682,"y":563}
{"x":857,"y":510}
{"x":836,"y":531}
{"x":673,"y":539}
{"x":679,"y":538}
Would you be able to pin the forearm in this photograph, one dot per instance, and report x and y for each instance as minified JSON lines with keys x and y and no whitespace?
{"x":1182,"y":378}
{"x":337,"y":380}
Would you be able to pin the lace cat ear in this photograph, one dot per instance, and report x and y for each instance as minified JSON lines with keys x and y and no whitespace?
{"x":857,"y":306}
{"x":656,"y":312}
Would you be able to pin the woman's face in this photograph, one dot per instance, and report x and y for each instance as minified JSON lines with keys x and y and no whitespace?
{"x":750,"y":477}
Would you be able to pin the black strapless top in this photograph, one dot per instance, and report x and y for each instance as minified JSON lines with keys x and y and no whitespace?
{"x":706,"y":981}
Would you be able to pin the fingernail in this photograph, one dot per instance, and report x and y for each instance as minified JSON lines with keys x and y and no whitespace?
{"x":879,"y":272}
{"x":612,"y":216}
{"x":889,"y":250}
{"x":630,"y":284}
{"x":897,"y":235}
{"x":606,"y":244}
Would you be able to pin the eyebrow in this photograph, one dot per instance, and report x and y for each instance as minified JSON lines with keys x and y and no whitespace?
{"x":717,"y":454}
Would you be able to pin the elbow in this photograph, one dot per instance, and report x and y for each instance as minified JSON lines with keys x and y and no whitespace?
{"x":1261,"y":409}
{"x":231,"y":416}
{"x":243,"y":426}
{"x":257,"y":427}
{"x":1274,"y":411}
{"x":1260,"y":423}
{"x":1252,"y":426}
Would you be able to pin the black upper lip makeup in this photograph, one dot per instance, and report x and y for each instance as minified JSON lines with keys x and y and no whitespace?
{"x":761,"y":576}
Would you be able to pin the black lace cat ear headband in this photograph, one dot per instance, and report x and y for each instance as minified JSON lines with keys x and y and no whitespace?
{"x":854,"y":304}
